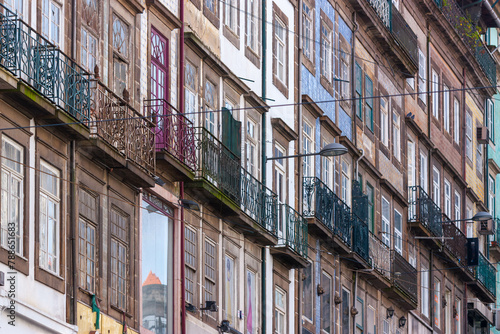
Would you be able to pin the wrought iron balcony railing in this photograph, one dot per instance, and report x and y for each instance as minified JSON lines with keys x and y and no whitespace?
{"x":423,"y":209}
{"x":121,"y":126}
{"x":174,"y":132}
{"x":380,"y":255}
{"x":496,"y":231}
{"x":456,"y":242}
{"x":342,"y":220}
{"x":404,"y":276}
{"x":259,"y":202}
{"x":485,"y":273}
{"x":460,"y":22}
{"x":292,"y":230}
{"x":397,"y":26}
{"x":318,"y":201}
{"x":36,"y":61}
{"x":360,"y":243}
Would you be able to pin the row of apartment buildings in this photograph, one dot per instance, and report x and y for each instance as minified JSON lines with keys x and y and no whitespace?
{"x":158,"y":171}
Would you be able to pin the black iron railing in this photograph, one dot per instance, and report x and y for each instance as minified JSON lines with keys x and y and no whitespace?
{"x":360,"y":242}
{"x":342,"y":220}
{"x":404,"y":276}
{"x":318,"y":201}
{"x":422,"y":209}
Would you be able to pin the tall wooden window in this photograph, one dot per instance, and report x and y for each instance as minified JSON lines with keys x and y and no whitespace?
{"x":119,"y":258}
{"x":159,"y":66}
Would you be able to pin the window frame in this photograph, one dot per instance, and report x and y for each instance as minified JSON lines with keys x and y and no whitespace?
{"x":446,"y":109}
{"x":386,"y":222}
{"x":468,"y":136}
{"x":456,"y":120}
{"x":447,"y":198}
{"x":326,"y":43}
{"x":435,"y":93}
{"x":398,"y":233}
{"x":422,"y":76}
{"x":384,"y":121}
{"x":436,"y":186}
{"x":424,"y":290}
{"x":369,"y":102}
{"x":280,"y":310}
{"x":48,"y":18}
{"x":396,"y":135}
{"x":279,"y":18}
{"x":191,"y":296}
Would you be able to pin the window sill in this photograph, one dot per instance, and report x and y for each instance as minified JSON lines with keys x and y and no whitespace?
{"x":121,"y":311}
{"x":53,"y":274}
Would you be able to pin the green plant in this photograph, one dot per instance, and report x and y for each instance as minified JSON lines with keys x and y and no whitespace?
{"x":470,"y":30}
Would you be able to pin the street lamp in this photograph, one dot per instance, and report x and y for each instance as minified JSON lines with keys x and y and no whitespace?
{"x":330,"y":150}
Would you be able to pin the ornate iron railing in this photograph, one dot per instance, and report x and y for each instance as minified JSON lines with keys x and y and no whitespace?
{"x":460,"y":22}
{"x":496,"y":231}
{"x":318,"y":201}
{"x":259,"y":202}
{"x":342,"y":220}
{"x":423,"y":209}
{"x":485,"y":273}
{"x":39,"y":63}
{"x":218,"y":165}
{"x":380,"y":255}
{"x":174,"y":132}
{"x":455,"y":241}
{"x":360,"y":243}
{"x":404,"y":276}
{"x":118,"y":124}
{"x":294,"y":230}
{"x":383,"y":9}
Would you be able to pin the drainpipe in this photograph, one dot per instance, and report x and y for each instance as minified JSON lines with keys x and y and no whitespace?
{"x":264,"y":69}
{"x":355,"y":288}
{"x":181,"y":190}
{"x":464,"y":154}
{"x":429,"y":108}
{"x":353,"y":80}
{"x":73,"y":190}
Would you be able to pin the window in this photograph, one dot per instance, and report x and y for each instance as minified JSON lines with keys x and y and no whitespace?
{"x":280,"y":311}
{"x":384,"y":122}
{"x":458,"y":322}
{"x":469,"y":224}
{"x":281,"y":45}
{"x":251,"y":303}
{"x":120,"y":45}
{"x":412,"y":254}
{"x":252,"y":28}
{"x":359,"y":90}
{"x":251,"y":148}
{"x":231,"y":15}
{"x":437,"y":302}
{"x":90,"y":14}
{"x":446,"y":108}
{"x":386,"y":222}
{"x":210,"y":102}
{"x":211,"y":5}
{"x":479,"y":158}
{"x":308,"y":148}
{"x":370,"y":195}
{"x":398,"y":232}
{"x":51,"y":21}
{"x":89,"y":50}
{"x":345,"y":309}
{"x":307,"y":292}
{"x":368,"y":102}
{"x":371,"y":324}
{"x":210,"y":272}
{"x":88,"y":209}
{"x":119,"y":255}
{"x":190,"y":260}
{"x":230,"y":302}
{"x":326,"y":169}
{"x":468,"y":136}
{"x":307,"y":30}
{"x":456,"y":120}
{"x":159,"y":66}
{"x":325,"y":303}
{"x":491,"y":195}
{"x":436,"y":187}
{"x":424,"y":290}
{"x":346,"y":184}
{"x":191,"y":101}
{"x":12,"y":203}
{"x":435,"y":94}
{"x":326,"y":51}
{"x":422,"y":76}
{"x":396,"y":140}
{"x":457,"y":207}
{"x":279,"y":176}
{"x":344,"y":75}
{"x":447,"y":198}
{"x":447,"y":311}
{"x":50,"y":202}
{"x":423,"y":171}
{"x":411,"y":164}
{"x":360,"y":317}
{"x":490,"y":115}
{"x":15,"y":5}
{"x":386,"y":326}
{"x":120,"y":76}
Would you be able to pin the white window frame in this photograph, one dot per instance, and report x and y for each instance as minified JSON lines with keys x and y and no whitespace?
{"x":456,"y":120}
{"x":436,"y":186}
{"x":479,"y":158}
{"x":252,"y":29}
{"x":191,"y":96}
{"x":281,"y":49}
{"x":307,"y":28}
{"x":446,"y":108}
{"x":46,"y":196}
{"x":435,"y":94}
{"x":89,"y":47}
{"x":231,"y":15}
{"x":280,"y":311}
{"x":308,"y":146}
{"x":458,"y":321}
{"x":490,"y":114}
{"x":18,"y":176}
{"x":422,"y":77}
{"x":424,"y":290}
{"x":326,"y":169}
{"x":424,"y":177}
{"x":437,"y":303}
{"x":396,"y":135}
{"x":49,"y":22}
{"x":326,"y":51}
{"x":468,"y":136}
{"x":384,"y":122}
{"x":230,"y":314}
{"x":412,"y":167}
{"x":491,"y":195}
{"x":251,"y":147}
{"x":398,"y":232}
{"x":458,"y":210}
{"x":447,"y":198}
{"x":386,"y":222}
{"x":346,"y":182}
{"x":16,"y":6}
{"x":468,"y":224}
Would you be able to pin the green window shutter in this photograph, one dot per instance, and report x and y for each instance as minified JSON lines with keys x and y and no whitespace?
{"x":369,"y":102}
{"x":359,"y":90}
{"x":231,"y":132}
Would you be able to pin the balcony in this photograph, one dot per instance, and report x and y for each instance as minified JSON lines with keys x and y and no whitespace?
{"x":380,"y":258}
{"x":495,"y":243}
{"x":292,"y":245}
{"x":455,"y":248}
{"x":404,"y":278}
{"x":360,"y":254}
{"x":121,"y":137}
{"x":318,"y":206}
{"x":424,"y":216}
{"x":485,"y":283}
{"x":342,"y":225}
{"x":175,"y":140}
{"x":45,"y":81}
{"x":222,"y":183}
{"x":456,"y":16}
{"x":391,"y":31}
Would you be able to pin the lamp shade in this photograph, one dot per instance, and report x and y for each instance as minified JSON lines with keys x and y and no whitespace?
{"x":333,"y":149}
{"x":481,"y":216}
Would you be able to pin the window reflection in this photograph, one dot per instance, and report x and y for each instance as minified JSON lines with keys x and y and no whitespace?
{"x":156,"y":269}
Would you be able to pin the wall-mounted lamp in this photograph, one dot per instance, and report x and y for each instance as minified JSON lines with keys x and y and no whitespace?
{"x":444,"y":302}
{"x":190,"y":307}
{"x":402,"y":321}
{"x":330,"y":150}
{"x":189,"y":204}
{"x":390,"y":312}
{"x":210,"y":305}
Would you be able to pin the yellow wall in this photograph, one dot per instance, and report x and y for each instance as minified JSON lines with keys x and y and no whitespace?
{"x":472,"y":180}
{"x":86,"y":321}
